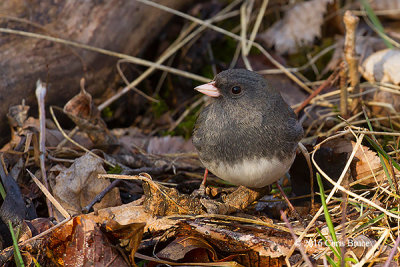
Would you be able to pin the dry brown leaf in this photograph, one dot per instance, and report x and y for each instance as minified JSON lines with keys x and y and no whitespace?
{"x":134,"y":212}
{"x":367,"y":164}
{"x":87,"y":117}
{"x":382,"y":66}
{"x":162,"y":201}
{"x":188,"y":248}
{"x":131,"y":235}
{"x":76,"y":186}
{"x":299,"y":27}
{"x":81,"y":243}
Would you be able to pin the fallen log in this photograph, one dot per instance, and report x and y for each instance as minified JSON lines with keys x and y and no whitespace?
{"x":121,"y":26}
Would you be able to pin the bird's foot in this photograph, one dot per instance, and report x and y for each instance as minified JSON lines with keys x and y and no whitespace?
{"x":200,"y":193}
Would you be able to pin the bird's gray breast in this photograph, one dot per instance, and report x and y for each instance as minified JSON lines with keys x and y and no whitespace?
{"x":230,"y":134}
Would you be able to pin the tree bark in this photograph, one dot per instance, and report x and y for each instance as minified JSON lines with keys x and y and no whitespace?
{"x":124,"y":26}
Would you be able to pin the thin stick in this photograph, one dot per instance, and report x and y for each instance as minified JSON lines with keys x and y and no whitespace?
{"x":136,"y":90}
{"x":343,"y":91}
{"x":49,"y":196}
{"x":186,"y":112}
{"x":393,"y":251}
{"x":350,"y":22}
{"x":290,"y":205}
{"x":40,"y":95}
{"x":298,"y":244}
{"x":143,"y":177}
{"x":337,"y":185}
{"x":243,"y":33}
{"x":327,"y":82}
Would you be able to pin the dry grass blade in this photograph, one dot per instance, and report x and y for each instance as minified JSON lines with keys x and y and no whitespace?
{"x":49,"y":196}
{"x":256,"y":25}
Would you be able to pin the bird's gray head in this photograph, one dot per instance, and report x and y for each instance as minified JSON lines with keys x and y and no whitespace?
{"x":237,"y":84}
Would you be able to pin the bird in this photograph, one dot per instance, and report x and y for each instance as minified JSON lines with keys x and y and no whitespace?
{"x":247,"y":135}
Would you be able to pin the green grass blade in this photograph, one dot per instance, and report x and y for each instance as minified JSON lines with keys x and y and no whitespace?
{"x":17,"y":253}
{"x":380,"y":150}
{"x":374,"y":19}
{"x":328,"y":243}
{"x":385,"y":169}
{"x":2,"y":191}
{"x":351,"y":260}
{"x":326,"y":213}
{"x":331,"y":261}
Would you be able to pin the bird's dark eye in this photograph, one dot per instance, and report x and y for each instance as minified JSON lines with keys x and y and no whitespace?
{"x":236,"y":90}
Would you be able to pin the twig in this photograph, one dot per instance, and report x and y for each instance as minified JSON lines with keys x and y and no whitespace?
{"x":143,"y":177}
{"x":370,"y":252}
{"x":290,"y":205}
{"x":40,"y":95}
{"x":393,"y":251}
{"x":350,"y":22}
{"x":327,"y":83}
{"x":212,"y":59}
{"x":343,"y":91}
{"x":297,"y":244}
{"x":235,"y":57}
{"x":337,"y":185}
{"x":42,"y":234}
{"x":136,"y":90}
{"x":101,"y":195}
{"x":305,"y":66}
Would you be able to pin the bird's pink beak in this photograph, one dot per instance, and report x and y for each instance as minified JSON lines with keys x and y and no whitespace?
{"x":209,"y":89}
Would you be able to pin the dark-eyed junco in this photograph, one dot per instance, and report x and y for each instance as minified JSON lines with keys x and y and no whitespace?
{"x":247,"y":135}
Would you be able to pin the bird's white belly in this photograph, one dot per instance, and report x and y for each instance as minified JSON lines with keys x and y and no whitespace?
{"x":254,"y":173}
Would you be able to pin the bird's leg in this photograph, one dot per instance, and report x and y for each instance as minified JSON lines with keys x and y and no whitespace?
{"x":291,"y":207}
{"x":203,"y":183}
{"x":201,"y":192}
